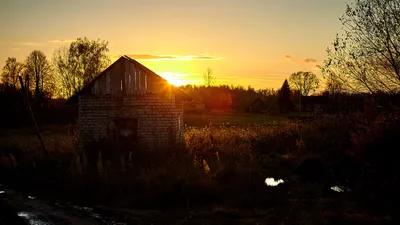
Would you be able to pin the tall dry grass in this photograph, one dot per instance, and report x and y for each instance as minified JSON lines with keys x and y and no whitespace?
{"x":215,"y":166}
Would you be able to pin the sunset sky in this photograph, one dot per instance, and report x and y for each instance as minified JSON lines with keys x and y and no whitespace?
{"x":245,"y":42}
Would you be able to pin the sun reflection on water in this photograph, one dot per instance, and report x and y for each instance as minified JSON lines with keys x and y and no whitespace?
{"x":272,"y":182}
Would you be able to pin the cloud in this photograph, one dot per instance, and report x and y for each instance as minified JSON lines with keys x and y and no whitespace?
{"x":155,"y":57}
{"x":61,"y":41}
{"x":173,"y":74}
{"x":307,"y":60}
{"x":26,"y":43}
{"x":15,"y":49}
{"x":289,"y":57}
{"x":310,"y":60}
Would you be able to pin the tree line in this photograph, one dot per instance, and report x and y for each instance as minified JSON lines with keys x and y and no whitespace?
{"x":300,"y":84}
{"x":364,"y":59}
{"x":70,"y":68}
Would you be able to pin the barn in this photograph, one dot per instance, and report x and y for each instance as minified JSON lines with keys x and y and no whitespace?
{"x":129,"y":103}
{"x":257,"y":106}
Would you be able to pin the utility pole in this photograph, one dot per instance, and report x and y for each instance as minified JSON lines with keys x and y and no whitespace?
{"x":25,"y":89}
{"x":300,"y":101}
{"x":300,"y":96}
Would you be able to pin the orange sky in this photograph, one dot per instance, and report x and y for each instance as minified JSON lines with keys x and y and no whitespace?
{"x":245,"y":42}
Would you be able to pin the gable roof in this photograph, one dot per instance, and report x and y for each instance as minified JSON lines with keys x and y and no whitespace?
{"x":179,"y":93}
{"x":257,"y":102}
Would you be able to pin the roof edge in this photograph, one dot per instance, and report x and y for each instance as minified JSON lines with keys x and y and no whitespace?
{"x":74,"y":98}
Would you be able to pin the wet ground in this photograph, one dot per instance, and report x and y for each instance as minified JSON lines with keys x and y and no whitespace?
{"x":335,"y":208}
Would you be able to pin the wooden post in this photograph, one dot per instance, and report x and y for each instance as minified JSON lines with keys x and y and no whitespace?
{"x":25,"y":91}
{"x":299,"y":102}
{"x":300,"y":96}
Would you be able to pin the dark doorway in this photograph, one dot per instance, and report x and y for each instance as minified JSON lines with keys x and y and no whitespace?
{"x":126,"y":131}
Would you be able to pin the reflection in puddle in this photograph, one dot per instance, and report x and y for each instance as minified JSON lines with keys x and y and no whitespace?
{"x":86,"y":209}
{"x":25,"y":215}
{"x":340,"y":189}
{"x":32,"y":219}
{"x":96,"y":215}
{"x":272,"y":182}
{"x":93,"y":213}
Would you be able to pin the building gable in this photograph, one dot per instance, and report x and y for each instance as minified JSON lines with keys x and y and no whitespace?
{"x":127,"y":77}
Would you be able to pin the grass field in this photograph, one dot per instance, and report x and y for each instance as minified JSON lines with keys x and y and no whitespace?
{"x":221,"y":168}
{"x":235,"y":119}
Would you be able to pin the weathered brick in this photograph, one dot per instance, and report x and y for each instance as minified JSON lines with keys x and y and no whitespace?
{"x":157,"y":117}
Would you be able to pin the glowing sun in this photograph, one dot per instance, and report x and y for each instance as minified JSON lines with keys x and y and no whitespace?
{"x":175,"y":79}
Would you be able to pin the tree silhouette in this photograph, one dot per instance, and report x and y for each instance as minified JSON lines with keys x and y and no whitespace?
{"x":37,"y":68}
{"x":78,"y":64}
{"x":209,"y":78}
{"x":304,"y":82}
{"x":11,"y":71}
{"x":334,"y":86}
{"x":367,"y":56}
{"x":284,"y":100}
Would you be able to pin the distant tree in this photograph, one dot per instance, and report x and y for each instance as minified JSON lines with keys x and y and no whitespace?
{"x":209,"y":78}
{"x":38,"y":69}
{"x":284,"y":100}
{"x":236,"y":97}
{"x":334,"y":86}
{"x":305,"y":82}
{"x":367,"y":56}
{"x":11,"y":71}
{"x":78,"y":64}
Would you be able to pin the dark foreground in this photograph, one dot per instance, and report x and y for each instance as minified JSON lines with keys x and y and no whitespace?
{"x":333,"y":170}
{"x":311,"y":193}
{"x":335,"y":208}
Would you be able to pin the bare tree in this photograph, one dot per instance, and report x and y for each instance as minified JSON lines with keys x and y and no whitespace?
{"x":334,"y":85}
{"x":39,"y":70}
{"x":66,"y":81}
{"x":79,"y":63}
{"x":209,"y":78}
{"x":367,"y":56}
{"x":304,"y":82}
{"x":11,"y":71}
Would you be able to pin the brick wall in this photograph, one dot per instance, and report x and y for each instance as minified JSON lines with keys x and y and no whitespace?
{"x":160,"y":118}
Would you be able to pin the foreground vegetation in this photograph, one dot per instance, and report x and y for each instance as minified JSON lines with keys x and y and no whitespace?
{"x":231,"y":119}
{"x":223,"y":169}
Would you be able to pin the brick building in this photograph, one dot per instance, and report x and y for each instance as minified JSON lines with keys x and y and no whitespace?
{"x":130,"y":103}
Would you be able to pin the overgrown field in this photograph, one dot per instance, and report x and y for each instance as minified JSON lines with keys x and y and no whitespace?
{"x":236,"y":119}
{"x":223,"y":168}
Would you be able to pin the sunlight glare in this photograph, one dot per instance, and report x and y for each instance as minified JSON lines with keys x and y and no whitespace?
{"x":340,"y":189}
{"x":175,"y":79}
{"x":272,"y":182}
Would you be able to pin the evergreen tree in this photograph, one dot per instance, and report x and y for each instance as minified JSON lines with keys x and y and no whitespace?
{"x":284,"y":101}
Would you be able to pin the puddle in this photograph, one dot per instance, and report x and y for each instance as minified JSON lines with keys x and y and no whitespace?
{"x":340,"y":189}
{"x":82,"y":208}
{"x":272,"y":182}
{"x":33,"y":219}
{"x":48,"y":211}
{"x":92,"y":212}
